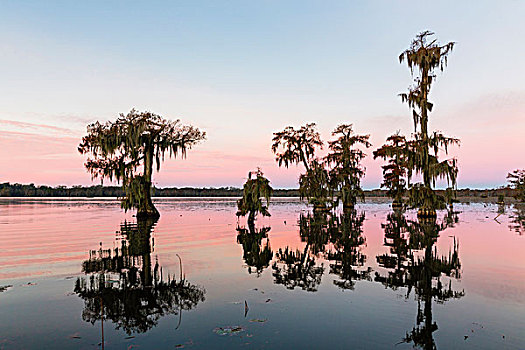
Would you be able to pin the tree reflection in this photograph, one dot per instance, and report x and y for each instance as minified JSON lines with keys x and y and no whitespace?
{"x":296,"y":268}
{"x":345,"y":255}
{"x":255,"y":254}
{"x":313,"y":230}
{"x":413,"y":262}
{"x":337,"y":238}
{"x":517,"y":217}
{"x":123,"y":286}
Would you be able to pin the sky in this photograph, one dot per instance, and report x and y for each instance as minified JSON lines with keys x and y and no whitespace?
{"x":242,"y":70}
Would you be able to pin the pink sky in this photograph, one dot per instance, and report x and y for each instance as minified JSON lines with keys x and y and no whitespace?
{"x":491,"y":145}
{"x":243,"y":71}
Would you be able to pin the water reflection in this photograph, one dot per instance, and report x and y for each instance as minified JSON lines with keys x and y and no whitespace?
{"x":255,"y":254}
{"x":517,"y":218}
{"x":336,"y":238}
{"x":296,"y":268}
{"x":124,"y":286}
{"x":345,"y":255}
{"x":413,"y":262}
{"x":46,"y":239}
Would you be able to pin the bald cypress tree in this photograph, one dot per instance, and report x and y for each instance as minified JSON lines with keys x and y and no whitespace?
{"x":126,"y":150}
{"x":424,"y":56}
{"x":345,"y":158}
{"x":255,"y":188}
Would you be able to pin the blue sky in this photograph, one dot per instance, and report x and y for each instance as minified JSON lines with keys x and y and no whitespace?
{"x":244,"y":69}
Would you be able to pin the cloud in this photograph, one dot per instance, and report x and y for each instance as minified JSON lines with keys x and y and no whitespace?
{"x":32,"y":128}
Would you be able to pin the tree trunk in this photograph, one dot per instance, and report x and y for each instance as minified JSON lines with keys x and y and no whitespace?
{"x":251,"y":219}
{"x":320,"y":208}
{"x":426,"y":210}
{"x":349,"y":206}
{"x":146,"y":208}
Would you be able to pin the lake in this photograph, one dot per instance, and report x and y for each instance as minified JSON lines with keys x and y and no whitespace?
{"x":82,"y":274}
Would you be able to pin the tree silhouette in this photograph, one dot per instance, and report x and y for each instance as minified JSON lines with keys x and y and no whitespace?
{"x":423,"y":58}
{"x":254,"y":189}
{"x":296,"y":146}
{"x":315,"y":185}
{"x":395,"y":171}
{"x":255,"y":254}
{"x":345,"y":158}
{"x":138,"y":139}
{"x":420,"y":273}
{"x":121,"y":285}
{"x":296,"y":268}
{"x":345,"y":255}
{"x":292,"y":146}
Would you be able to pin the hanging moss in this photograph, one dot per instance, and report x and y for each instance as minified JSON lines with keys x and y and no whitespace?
{"x":395,"y":171}
{"x":255,"y":188}
{"x":346,"y":172}
{"x":125,"y":150}
{"x":423,"y":58}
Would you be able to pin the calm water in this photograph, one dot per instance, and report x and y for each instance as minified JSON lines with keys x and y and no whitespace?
{"x":368,"y":279}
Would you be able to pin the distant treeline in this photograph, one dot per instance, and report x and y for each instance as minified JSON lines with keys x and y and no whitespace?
{"x":18,"y":190}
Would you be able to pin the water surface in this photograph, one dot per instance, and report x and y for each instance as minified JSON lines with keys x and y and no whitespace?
{"x":200,"y":278}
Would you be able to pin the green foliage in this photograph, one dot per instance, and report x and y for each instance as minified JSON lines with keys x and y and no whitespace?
{"x":517,"y":181}
{"x":340,"y":171}
{"x":296,"y":146}
{"x":395,"y":171}
{"x":254,"y":189}
{"x":139,"y":139}
{"x":424,"y":57}
{"x":315,"y":185}
{"x":420,"y":196}
{"x":346,"y":172}
{"x":422,"y":158}
{"x":422,"y":152}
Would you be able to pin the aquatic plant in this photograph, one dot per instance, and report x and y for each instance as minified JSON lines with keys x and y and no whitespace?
{"x":138,"y":139}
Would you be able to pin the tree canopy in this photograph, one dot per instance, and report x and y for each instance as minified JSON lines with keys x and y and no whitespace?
{"x":296,"y":146}
{"x":423,"y":57}
{"x":255,"y":188}
{"x":138,"y":139}
{"x":346,"y":172}
{"x":395,"y":171}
